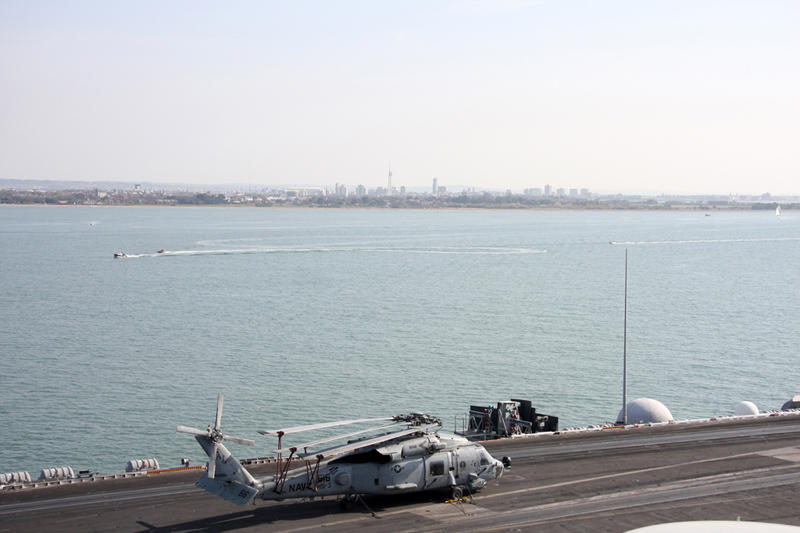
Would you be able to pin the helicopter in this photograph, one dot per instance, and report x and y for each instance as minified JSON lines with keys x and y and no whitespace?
{"x":406,"y":454}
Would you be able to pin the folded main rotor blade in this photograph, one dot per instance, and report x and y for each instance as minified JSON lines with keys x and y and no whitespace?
{"x":298,"y":429}
{"x":323,"y":441}
{"x":219,"y":411}
{"x":237,"y":440}
{"x":184,"y":429}
{"x":338,"y":450}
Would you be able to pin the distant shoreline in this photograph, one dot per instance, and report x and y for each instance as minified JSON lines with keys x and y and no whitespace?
{"x":659,"y":208}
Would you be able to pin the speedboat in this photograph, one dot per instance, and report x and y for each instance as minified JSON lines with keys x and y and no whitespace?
{"x":161,"y":251}
{"x":120,"y":254}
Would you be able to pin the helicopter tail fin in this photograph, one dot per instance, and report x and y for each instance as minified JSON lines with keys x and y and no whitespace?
{"x":227,"y":479}
{"x":225,"y":476}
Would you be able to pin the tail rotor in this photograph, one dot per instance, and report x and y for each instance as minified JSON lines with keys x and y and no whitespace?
{"x":219,"y":412}
{"x":214,"y":437}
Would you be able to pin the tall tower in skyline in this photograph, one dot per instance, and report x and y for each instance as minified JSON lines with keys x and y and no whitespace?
{"x":435,"y":185}
{"x":389,"y":188}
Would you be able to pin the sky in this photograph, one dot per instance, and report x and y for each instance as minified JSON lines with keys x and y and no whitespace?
{"x":699,"y":97}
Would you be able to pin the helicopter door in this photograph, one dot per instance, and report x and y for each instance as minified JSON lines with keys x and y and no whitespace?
{"x":437,"y":471}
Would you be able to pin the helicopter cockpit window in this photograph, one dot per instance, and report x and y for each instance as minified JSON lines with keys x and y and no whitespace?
{"x":437,"y":469}
{"x":485,"y":459}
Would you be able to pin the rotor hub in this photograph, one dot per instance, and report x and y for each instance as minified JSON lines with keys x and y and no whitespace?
{"x":417,"y":419}
{"x":215,"y":435}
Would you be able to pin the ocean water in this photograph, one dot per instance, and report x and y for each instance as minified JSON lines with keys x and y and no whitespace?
{"x":301,"y":315}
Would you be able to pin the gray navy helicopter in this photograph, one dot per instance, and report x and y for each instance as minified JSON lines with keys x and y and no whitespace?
{"x":405,"y":454}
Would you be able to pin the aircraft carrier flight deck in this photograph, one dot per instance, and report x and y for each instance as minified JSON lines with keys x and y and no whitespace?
{"x":613,"y":479}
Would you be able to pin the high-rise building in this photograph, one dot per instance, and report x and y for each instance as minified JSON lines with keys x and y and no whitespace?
{"x":548,"y":190}
{"x":435,"y":186}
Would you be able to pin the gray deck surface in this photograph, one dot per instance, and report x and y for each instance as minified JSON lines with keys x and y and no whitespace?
{"x":610,"y":480}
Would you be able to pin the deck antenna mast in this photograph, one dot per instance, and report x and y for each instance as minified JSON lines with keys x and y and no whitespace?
{"x":625,"y":349}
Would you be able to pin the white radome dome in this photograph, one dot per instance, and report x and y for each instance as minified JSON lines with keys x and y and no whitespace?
{"x":646,"y":410}
{"x":745,"y":408}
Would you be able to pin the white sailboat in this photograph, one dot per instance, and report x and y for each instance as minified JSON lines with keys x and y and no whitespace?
{"x":778,"y":211}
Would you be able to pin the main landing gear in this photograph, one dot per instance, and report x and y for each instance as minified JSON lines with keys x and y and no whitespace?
{"x":351,"y":498}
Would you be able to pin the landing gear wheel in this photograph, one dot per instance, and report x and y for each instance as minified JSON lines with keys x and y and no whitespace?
{"x":456,"y":493}
{"x":348,"y":501}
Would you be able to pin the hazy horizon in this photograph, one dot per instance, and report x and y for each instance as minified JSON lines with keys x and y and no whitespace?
{"x":679,"y":97}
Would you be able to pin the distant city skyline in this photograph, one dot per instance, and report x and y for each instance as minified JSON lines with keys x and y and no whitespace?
{"x":617,"y":96}
{"x":344,"y":190}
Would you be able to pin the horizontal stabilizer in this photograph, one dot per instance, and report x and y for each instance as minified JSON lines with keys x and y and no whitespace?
{"x":233,"y":491}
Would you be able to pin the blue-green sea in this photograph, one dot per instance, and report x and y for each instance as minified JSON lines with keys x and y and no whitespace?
{"x":306,"y":315}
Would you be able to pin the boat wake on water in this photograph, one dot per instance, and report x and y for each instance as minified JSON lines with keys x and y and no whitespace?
{"x":458,"y":251}
{"x":706,"y":241}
